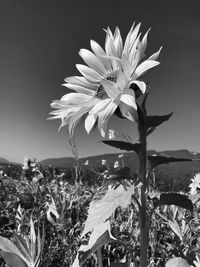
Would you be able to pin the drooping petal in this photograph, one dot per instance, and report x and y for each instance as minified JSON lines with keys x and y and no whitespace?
{"x":104,"y":116}
{"x":144,"y":66}
{"x":75,"y":118}
{"x":141,"y":85}
{"x":128,"y":97}
{"x":101,"y":105}
{"x":93,"y":62}
{"x":111,"y":88}
{"x":88,"y":73}
{"x":89,"y":122}
{"x":128,"y":112}
{"x":155,"y":55}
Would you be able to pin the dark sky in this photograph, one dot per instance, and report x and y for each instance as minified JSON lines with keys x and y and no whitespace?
{"x":39,"y":44}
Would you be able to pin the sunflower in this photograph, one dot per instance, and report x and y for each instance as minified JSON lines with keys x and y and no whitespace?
{"x":106,"y":81}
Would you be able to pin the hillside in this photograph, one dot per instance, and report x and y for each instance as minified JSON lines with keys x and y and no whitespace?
{"x":130,"y":159}
{"x":3,"y":161}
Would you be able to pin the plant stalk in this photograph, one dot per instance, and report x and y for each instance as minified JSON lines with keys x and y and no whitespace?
{"x":144,"y":232}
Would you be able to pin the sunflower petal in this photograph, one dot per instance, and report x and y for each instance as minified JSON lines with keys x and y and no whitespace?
{"x":101,"y":105}
{"x":79,"y":80}
{"x":111,"y":88}
{"x":144,"y":66}
{"x":80,"y":89}
{"x":109,"y":46}
{"x":128,"y":98}
{"x":144,"y":44}
{"x":141,"y":85}
{"x":118,"y":42}
{"x":76,"y":99}
{"x":89,"y":122}
{"x":98,"y":50}
{"x":104,"y":116}
{"x":155,"y":55}
{"x":92,"y":61}
{"x":128,"y":112}
{"x":75,"y":118}
{"x":88,"y":73}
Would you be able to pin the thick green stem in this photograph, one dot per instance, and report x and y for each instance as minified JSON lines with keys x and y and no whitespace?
{"x":144,"y":232}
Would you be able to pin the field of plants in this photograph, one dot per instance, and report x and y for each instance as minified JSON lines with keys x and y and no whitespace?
{"x":43,"y":212}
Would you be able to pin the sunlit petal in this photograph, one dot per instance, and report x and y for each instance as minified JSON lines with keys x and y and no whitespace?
{"x":128,"y":112}
{"x":118,"y":42}
{"x":89,"y":122}
{"x":76,"y":98}
{"x":98,"y":50}
{"x":79,"y":80}
{"x":111,"y":88}
{"x":128,"y":98}
{"x":144,"y":66}
{"x":80,"y":89}
{"x":141,"y":85}
{"x":155,"y":55}
{"x":101,"y":105}
{"x":92,"y":61}
{"x":89,"y":73}
{"x":104,"y":117}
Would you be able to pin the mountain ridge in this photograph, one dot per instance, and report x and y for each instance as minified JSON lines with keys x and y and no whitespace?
{"x":64,"y":162}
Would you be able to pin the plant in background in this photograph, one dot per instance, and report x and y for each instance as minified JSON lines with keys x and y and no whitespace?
{"x":24,"y":250}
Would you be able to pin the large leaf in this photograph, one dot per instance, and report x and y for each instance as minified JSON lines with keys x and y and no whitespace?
{"x":9,"y":247}
{"x":154,"y":121}
{"x":175,"y":199}
{"x":123,"y":145}
{"x":100,"y":236}
{"x":12,"y":260}
{"x":158,"y":160}
{"x":177,"y":262}
{"x":99,"y":211}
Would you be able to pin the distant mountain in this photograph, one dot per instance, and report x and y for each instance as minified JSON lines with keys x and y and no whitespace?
{"x":169,"y":177}
{"x":3,"y":161}
{"x":130,"y":159}
{"x":58,"y":162}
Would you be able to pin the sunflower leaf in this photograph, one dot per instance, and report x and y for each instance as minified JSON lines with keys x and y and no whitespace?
{"x":154,"y":121}
{"x":175,"y":199}
{"x":124,"y":145}
{"x":158,"y":160}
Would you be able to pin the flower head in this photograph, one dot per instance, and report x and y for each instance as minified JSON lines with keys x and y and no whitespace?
{"x":106,"y":81}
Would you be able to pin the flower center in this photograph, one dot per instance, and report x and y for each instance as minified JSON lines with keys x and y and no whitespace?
{"x":100,"y":92}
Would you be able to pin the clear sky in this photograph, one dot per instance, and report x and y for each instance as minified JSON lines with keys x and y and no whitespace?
{"x":39,"y":44}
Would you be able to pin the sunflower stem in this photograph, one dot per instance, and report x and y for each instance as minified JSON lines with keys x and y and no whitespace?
{"x":144,"y":232}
